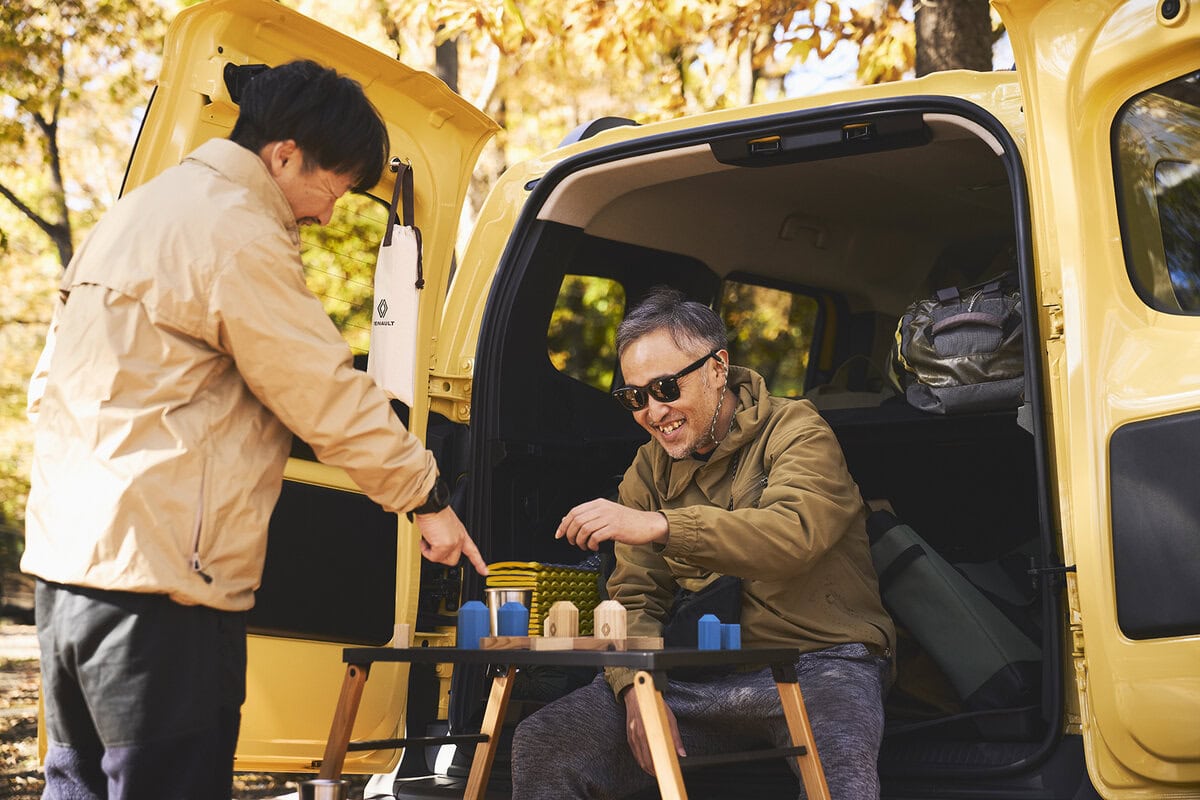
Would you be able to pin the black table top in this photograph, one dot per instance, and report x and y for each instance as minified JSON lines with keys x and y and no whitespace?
{"x":649,"y":660}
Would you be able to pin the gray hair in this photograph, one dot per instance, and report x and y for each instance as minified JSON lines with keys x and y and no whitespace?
{"x":689,"y":323}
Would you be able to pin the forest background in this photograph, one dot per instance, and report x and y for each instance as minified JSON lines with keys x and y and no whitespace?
{"x":75,"y":77}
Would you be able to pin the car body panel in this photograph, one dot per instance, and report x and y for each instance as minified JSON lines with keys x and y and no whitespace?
{"x":1117,"y":362}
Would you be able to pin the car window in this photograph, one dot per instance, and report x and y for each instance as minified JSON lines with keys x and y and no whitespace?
{"x":582,"y":339}
{"x":339,"y":265}
{"x":1157,"y":163}
{"x":772,"y":331}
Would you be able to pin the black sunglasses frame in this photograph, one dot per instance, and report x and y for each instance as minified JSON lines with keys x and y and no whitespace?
{"x":664,"y":389}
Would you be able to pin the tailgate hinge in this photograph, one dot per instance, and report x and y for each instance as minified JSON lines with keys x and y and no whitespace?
{"x":1056,"y":574}
{"x":450,"y":396}
{"x":1052,"y":321}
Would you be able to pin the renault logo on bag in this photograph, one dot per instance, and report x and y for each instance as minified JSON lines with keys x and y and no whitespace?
{"x":382,"y":308}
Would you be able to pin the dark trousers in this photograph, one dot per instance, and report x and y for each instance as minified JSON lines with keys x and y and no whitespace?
{"x":576,"y":747}
{"x":142,"y":695}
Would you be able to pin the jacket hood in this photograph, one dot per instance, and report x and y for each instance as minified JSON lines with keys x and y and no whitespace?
{"x":749,"y":391}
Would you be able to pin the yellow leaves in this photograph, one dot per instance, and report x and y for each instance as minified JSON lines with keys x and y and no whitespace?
{"x":889,"y":49}
{"x":802,"y":48}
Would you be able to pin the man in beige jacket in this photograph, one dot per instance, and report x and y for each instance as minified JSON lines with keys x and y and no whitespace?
{"x":185,"y":350}
{"x":742,"y":491}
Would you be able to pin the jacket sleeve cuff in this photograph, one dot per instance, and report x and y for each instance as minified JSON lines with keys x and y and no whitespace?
{"x":682,"y":533}
{"x":619,"y":679}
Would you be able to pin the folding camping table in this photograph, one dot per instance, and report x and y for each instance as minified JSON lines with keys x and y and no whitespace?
{"x":649,"y":683}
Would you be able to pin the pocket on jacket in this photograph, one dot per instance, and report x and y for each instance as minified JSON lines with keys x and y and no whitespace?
{"x":748,"y":495}
{"x":200,"y":520}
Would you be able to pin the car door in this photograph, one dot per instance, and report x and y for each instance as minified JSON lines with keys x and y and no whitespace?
{"x":339,"y":571}
{"x":1113,"y":108}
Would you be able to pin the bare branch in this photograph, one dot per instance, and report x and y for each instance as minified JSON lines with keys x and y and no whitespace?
{"x":48,"y":227}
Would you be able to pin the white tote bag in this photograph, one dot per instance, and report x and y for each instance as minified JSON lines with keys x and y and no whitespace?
{"x":398,"y":284}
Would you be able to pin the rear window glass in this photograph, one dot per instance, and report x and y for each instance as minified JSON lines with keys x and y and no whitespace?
{"x":582,"y":339}
{"x":771,"y":331}
{"x":339,"y":266}
{"x":1157,"y":157}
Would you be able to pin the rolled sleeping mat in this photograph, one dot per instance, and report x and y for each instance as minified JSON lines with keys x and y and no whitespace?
{"x":991,"y":663}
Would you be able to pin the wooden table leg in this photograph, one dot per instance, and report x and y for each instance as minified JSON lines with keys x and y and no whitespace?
{"x":343,"y":721}
{"x":658,"y":735}
{"x":493,"y":720}
{"x":811,"y":771}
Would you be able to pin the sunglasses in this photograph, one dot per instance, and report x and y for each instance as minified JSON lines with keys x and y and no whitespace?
{"x":664,"y":389}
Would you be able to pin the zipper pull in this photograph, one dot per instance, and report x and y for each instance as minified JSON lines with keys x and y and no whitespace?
{"x":196,"y":568}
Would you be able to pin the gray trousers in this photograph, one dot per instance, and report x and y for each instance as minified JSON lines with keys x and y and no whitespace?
{"x":143,"y":696}
{"x":576,"y":747}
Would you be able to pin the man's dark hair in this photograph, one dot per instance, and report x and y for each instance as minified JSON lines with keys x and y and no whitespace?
{"x":328,"y":116}
{"x":692,"y":325}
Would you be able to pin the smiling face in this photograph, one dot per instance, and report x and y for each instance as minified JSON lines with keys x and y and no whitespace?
{"x":680,"y":425}
{"x":310,"y":190}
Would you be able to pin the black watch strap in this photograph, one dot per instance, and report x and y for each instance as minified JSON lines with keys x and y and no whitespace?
{"x":439,"y":498}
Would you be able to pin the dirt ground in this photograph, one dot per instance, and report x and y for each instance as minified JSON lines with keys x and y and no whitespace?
{"x":20,"y":777}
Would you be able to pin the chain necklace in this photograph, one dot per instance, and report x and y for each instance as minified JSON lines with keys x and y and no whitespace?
{"x":712,"y":426}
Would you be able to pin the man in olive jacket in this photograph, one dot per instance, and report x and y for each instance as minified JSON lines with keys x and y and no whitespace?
{"x":185,"y":350}
{"x":734,"y":482}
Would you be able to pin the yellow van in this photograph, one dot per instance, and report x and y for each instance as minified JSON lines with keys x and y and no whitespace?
{"x":811,"y":225}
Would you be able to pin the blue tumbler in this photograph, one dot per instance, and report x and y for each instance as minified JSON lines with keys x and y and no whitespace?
{"x":473,"y":623}
{"x":708,"y":633}
{"x":731,"y":636}
{"x":512,"y":620}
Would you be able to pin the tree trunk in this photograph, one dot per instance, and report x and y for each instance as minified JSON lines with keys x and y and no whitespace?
{"x":446,"y":62}
{"x":953,"y":34}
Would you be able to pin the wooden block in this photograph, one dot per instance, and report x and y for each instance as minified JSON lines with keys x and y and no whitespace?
{"x":609,"y":620}
{"x":644,"y":643}
{"x":621,"y":645}
{"x":402,"y":635}
{"x":563,"y":620}
{"x":594,"y":643}
{"x":504,"y":642}
{"x":551,"y":643}
{"x":569,"y":643}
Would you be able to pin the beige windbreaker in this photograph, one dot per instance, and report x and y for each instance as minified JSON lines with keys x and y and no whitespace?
{"x":796,"y":534}
{"x":185,"y":347}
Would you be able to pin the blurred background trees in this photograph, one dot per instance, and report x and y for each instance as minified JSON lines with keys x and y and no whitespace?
{"x":75,"y":77}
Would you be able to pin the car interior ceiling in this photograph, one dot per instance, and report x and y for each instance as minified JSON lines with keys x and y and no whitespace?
{"x":870,"y":227}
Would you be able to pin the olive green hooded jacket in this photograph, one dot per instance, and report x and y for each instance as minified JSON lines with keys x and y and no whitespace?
{"x":796,"y":534}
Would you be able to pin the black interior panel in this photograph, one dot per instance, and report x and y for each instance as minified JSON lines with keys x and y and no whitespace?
{"x":1156,"y":526}
{"x":966,"y":484}
{"x":331,"y":568}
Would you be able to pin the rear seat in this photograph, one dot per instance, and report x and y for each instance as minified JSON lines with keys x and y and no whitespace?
{"x":967,"y":483}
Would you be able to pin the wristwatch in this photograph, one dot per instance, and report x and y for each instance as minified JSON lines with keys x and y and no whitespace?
{"x":439,"y":498}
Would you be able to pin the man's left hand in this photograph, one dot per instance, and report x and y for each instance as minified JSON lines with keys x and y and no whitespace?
{"x":588,"y":524}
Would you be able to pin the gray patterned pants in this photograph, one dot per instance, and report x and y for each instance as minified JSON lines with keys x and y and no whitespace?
{"x":576,"y":746}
